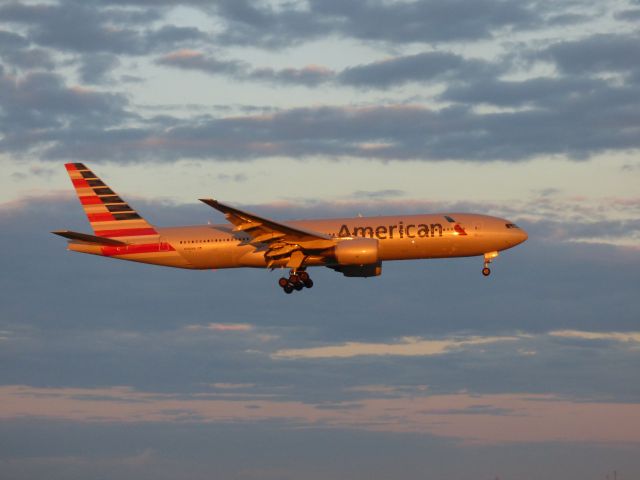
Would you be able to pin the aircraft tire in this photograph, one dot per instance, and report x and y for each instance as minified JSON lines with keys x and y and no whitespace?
{"x":304,"y":276}
{"x":308,"y":283}
{"x":287,"y":289}
{"x":486,"y":271}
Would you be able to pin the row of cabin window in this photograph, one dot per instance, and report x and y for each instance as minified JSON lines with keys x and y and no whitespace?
{"x":231,"y":239}
{"x":210,"y":240}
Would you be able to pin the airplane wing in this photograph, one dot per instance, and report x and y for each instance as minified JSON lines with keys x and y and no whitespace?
{"x":85,"y":237}
{"x":280,"y":240}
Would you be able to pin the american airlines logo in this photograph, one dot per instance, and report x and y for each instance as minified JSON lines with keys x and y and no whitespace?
{"x":398,"y":230}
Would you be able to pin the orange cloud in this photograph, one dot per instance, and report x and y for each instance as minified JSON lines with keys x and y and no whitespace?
{"x":484,"y":419}
{"x":409,"y":346}
{"x":626,"y":337}
{"x":223,"y":327}
{"x":180,"y":54}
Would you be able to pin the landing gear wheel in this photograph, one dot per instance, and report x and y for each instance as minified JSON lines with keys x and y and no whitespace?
{"x":296,"y":281}
{"x":488,"y":257}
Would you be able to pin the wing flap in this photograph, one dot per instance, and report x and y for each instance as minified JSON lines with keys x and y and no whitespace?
{"x":85,"y":237}
{"x":244,"y":227}
{"x":268,"y":237}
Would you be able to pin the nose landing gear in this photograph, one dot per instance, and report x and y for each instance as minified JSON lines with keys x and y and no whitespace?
{"x":488,"y":257}
{"x":296,"y":281}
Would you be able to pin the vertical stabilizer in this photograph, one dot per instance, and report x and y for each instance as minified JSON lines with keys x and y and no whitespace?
{"x":108,"y":214}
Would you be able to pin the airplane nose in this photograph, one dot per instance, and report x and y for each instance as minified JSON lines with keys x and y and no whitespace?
{"x":523,"y":236}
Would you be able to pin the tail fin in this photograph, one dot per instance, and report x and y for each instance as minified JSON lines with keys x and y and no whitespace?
{"x":108,"y":214}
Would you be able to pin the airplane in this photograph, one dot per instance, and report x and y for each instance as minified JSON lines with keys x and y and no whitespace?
{"x":355,"y":247}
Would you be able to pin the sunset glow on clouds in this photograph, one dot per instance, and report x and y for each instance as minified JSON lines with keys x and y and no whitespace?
{"x":407,"y":347}
{"x":626,"y":337}
{"x":222,"y":327}
{"x":469,"y":418}
{"x":413,"y":346}
{"x":522,"y":109}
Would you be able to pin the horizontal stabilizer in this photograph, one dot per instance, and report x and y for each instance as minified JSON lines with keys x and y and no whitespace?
{"x":84,"y":237}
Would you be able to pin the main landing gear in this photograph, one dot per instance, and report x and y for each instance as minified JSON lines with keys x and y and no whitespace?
{"x":296,"y":281}
{"x":488,"y":257}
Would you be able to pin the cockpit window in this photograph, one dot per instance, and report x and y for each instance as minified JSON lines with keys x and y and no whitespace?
{"x":511,"y":225}
{"x":449,"y":219}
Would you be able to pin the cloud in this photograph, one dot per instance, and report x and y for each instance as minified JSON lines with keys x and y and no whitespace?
{"x":404,"y":22}
{"x":623,"y":232}
{"x":471,"y":410}
{"x":38,"y":107}
{"x":194,"y":60}
{"x":71,"y":26}
{"x":12,"y":40}
{"x":162,"y":367}
{"x":408,"y":347}
{"x":275,"y":451}
{"x":97,"y":33}
{"x":426,"y":67}
{"x":41,"y":100}
{"x":222,"y":327}
{"x":573,"y":114}
{"x":625,"y":337}
{"x":156,"y":349}
{"x":541,"y":92}
{"x":125,"y":27}
{"x":236,"y":177}
{"x":482,"y":419}
{"x":95,"y":67}
{"x":15,"y":51}
{"x":603,"y":117}
{"x":232,"y":386}
{"x":82,"y":27}
{"x":422,"y":67}
{"x":407,"y":132}
{"x":169,"y":35}
{"x":378,"y":194}
{"x":311,"y":75}
{"x":251,"y":23}
{"x":595,"y":54}
{"x":630,"y":15}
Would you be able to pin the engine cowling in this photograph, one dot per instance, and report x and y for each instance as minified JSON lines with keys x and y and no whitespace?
{"x":372,"y":270}
{"x":357,"y":252}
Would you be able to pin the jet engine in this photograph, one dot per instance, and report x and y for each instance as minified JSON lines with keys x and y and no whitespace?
{"x":372,"y":270}
{"x":357,"y":257}
{"x":356,"y":251}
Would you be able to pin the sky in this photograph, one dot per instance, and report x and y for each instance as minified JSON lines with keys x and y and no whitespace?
{"x":528,"y":110}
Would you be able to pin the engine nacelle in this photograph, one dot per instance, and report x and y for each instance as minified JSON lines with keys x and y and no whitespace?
{"x":372,"y":270}
{"x":357,"y":252}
